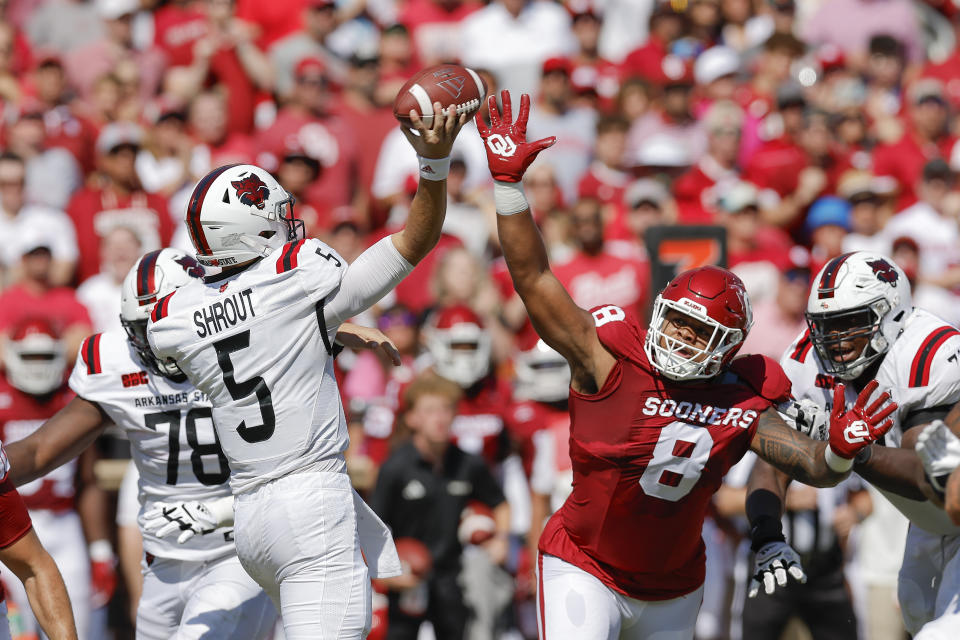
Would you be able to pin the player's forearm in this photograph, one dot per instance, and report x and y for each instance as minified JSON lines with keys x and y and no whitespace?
{"x":424,"y":222}
{"x":892,"y":469}
{"x":793,"y":453}
{"x":49,"y":600}
{"x":524,"y":251}
{"x":92,"y":503}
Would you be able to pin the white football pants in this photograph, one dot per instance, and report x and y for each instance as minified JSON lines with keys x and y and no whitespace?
{"x":297,"y":537}
{"x":929,"y":585}
{"x":574,"y":604}
{"x":192,"y":600}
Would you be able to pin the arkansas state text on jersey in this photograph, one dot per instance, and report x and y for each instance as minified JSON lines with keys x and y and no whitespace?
{"x":648,"y":454}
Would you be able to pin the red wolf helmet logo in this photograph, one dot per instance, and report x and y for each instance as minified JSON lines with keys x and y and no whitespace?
{"x":884,"y":271}
{"x":191,"y":266}
{"x":251,"y":190}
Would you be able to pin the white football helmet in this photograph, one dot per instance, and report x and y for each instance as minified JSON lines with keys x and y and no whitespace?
{"x":34,"y":358}
{"x":239,"y":212}
{"x":153,"y":276}
{"x":459,"y":345}
{"x":856,"y":295}
{"x":543,"y":374}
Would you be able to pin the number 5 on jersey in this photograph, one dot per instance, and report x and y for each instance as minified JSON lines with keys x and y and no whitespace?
{"x":240,"y":390}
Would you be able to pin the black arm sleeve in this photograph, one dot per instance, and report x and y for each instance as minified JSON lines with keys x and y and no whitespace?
{"x":925,"y":416}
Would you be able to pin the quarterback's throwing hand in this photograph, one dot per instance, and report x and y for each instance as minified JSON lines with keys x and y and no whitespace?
{"x":188,"y":518}
{"x":939,"y":450}
{"x":772,"y":563}
{"x":508,"y":152}
{"x":851,"y":431}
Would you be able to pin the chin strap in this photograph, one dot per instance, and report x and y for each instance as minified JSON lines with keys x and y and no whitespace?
{"x":263,"y":247}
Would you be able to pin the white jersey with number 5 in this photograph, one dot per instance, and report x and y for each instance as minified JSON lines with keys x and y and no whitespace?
{"x":922,"y":373}
{"x":171,"y":434}
{"x":257,"y":344}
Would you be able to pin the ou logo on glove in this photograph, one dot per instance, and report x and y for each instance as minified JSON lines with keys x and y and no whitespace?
{"x":501,"y":145}
{"x":857,"y":431}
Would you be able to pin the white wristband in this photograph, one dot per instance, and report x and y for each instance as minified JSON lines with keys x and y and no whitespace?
{"x":835,"y":462}
{"x":509,"y":198}
{"x":434,"y":168}
{"x":100,"y":551}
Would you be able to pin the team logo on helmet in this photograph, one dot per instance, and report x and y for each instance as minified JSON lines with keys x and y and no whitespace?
{"x":251,"y":190}
{"x":884,"y":271}
{"x":191,"y":266}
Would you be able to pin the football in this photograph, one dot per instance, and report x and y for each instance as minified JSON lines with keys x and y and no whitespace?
{"x":414,"y":556}
{"x":476,"y":524}
{"x":448,"y":84}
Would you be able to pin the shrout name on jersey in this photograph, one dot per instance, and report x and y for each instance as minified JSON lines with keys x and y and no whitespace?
{"x":696,"y":412}
{"x":224,"y":314}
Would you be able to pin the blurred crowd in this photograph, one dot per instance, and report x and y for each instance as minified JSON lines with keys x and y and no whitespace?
{"x":803,"y":128}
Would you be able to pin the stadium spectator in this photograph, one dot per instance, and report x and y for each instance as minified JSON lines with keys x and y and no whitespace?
{"x":884,"y":100}
{"x":595,"y":274}
{"x":648,"y":203}
{"x":781,"y":315}
{"x":672,"y":118}
{"x":595,"y":80}
{"x":869,"y":199}
{"x":33,"y":295}
{"x":606,"y":178}
{"x":513,"y":38}
{"x":419,"y":495}
{"x":115,"y":198}
{"x":16,"y":214}
{"x":434,"y":27}
{"x":653,"y":61}
{"x":309,"y":41}
{"x":64,"y":127}
{"x":100,"y":293}
{"x":62,"y":25}
{"x":163,"y":164}
{"x":827,"y":224}
{"x":925,"y":137}
{"x":849,"y":25}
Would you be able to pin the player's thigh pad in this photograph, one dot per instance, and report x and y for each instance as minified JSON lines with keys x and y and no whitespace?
{"x":165,"y":585}
{"x":224,"y":602}
{"x":297,"y":537}
{"x":919,"y":577}
{"x":571,"y":603}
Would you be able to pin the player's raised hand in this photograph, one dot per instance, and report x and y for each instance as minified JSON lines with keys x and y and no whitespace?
{"x":772,"y":563}
{"x":186,"y":518}
{"x":508,"y":152}
{"x":851,"y":431}
{"x":355,"y":336}
{"x":435,"y":141}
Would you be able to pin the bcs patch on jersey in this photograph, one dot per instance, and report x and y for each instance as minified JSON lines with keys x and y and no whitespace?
{"x":134,"y":379}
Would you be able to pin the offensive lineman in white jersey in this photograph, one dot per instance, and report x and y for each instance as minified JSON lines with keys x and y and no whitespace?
{"x":863,"y":327}
{"x":257,"y":340}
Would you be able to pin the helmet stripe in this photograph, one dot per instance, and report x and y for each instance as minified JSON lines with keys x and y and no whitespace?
{"x":193,"y":210}
{"x":828,"y":281}
{"x":923,"y":360}
{"x":146,"y":278}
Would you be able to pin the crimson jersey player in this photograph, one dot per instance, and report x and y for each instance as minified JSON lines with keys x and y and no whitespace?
{"x":657,"y":417}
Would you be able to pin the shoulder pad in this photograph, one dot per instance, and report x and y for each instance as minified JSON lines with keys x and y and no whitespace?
{"x":162,"y":307}
{"x":801,"y":348}
{"x":764,"y":375}
{"x":619,"y":331}
{"x":288,"y":256}
{"x":923,"y":360}
{"x":90,"y":354}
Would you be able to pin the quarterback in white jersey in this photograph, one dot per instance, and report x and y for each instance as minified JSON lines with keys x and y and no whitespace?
{"x":193,"y":590}
{"x":863,"y":327}
{"x":256,"y":338}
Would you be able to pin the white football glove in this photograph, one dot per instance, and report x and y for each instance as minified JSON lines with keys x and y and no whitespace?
{"x":939,"y":450}
{"x":771,"y":565}
{"x":189,"y":518}
{"x":807,"y":417}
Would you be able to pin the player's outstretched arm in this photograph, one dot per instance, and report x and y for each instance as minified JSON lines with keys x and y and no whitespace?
{"x":824,"y":464}
{"x":355,"y":336}
{"x":59,"y":440}
{"x":556,"y":317}
{"x":41,"y":579}
{"x":433,"y":144}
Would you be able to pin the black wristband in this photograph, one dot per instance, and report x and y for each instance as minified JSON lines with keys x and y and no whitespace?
{"x":863,"y":457}
{"x":763,"y":530}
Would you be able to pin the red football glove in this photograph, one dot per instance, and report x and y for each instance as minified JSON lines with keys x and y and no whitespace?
{"x":103,"y":582}
{"x":853,"y":430}
{"x":508,"y":152}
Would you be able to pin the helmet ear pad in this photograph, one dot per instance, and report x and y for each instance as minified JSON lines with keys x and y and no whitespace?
{"x":238,"y":213}
{"x":712,"y":296}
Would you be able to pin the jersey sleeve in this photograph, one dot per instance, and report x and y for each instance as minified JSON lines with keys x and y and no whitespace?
{"x":162,"y":326}
{"x":764,"y":375}
{"x":318,"y":267}
{"x":14,"y":518}
{"x":619,"y":331}
{"x":88,"y":367}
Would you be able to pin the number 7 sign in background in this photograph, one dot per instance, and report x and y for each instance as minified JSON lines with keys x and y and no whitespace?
{"x":673,"y":249}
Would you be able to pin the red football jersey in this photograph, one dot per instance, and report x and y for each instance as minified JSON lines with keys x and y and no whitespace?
{"x":482,"y":423}
{"x":20,"y":415}
{"x":530,"y":418}
{"x":648,"y":454}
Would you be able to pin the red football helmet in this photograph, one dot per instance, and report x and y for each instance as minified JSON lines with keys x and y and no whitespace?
{"x":713,"y":296}
{"x":543,"y":374}
{"x":459,"y":344}
{"x":34,"y":357}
